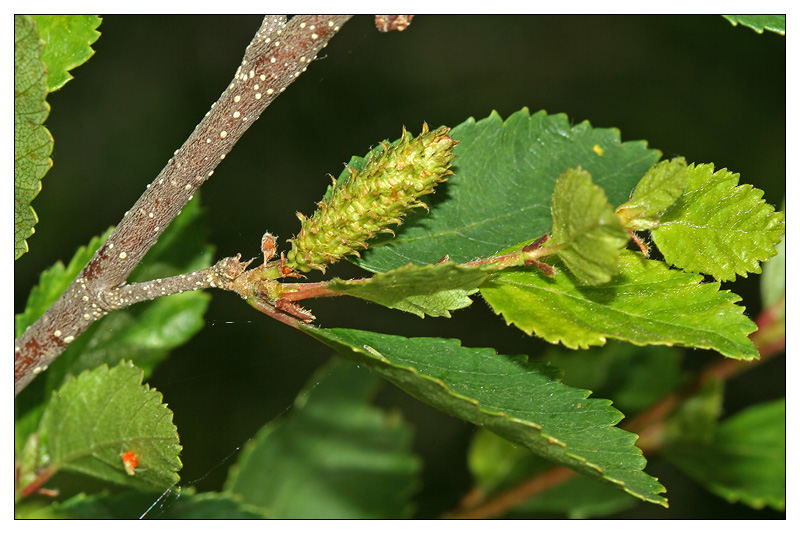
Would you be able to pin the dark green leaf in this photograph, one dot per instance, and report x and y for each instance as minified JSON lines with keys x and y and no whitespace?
{"x":435,"y":290}
{"x":500,"y":194}
{"x":587,"y":227}
{"x":132,"y":505}
{"x":647,"y":303}
{"x":333,"y":456}
{"x":746,"y":462}
{"x":759,"y":23}
{"x":717,"y":227}
{"x":498,"y":465}
{"x":67,"y":39}
{"x":522,"y":401}
{"x":99,"y":415}
{"x":32,"y":142}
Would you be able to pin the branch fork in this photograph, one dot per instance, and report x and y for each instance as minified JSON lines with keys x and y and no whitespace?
{"x":278,"y":54}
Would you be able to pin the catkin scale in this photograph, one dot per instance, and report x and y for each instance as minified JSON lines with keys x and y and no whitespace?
{"x":367,"y":202}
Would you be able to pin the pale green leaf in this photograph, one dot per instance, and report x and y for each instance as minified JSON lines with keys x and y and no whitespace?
{"x":759,"y":23}
{"x":435,"y":290}
{"x":746,"y":462}
{"x":717,"y":227}
{"x":647,"y":303}
{"x":67,"y":39}
{"x":333,"y":456}
{"x":585,"y":224}
{"x":99,"y":415}
{"x":33,"y":144}
{"x":519,"y":400}
{"x":501,"y":192}
{"x":658,"y":190}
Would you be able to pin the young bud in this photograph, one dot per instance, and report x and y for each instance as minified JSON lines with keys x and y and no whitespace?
{"x":364,"y":204}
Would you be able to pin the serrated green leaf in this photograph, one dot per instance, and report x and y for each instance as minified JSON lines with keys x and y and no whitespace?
{"x":520,"y":400}
{"x":647,"y":303}
{"x":746,"y":461}
{"x":658,"y":190}
{"x":333,"y":456}
{"x":132,"y":505}
{"x":717,"y":227}
{"x":585,"y":224}
{"x":67,"y":39}
{"x":501,"y":191}
{"x":498,"y":465}
{"x":759,"y":23}
{"x":435,"y":290}
{"x":100,"y":414}
{"x":33,"y":144}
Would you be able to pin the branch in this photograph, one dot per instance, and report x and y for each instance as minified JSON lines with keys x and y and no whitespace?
{"x":277,"y":55}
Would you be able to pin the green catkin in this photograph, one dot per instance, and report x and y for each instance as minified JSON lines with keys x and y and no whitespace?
{"x":367,"y":202}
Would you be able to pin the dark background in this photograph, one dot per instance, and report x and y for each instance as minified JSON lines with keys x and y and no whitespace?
{"x":690,"y":86}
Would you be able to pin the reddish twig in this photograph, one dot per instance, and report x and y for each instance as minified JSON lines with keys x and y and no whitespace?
{"x":277,"y":55}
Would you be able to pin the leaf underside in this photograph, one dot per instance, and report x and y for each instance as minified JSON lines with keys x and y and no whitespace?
{"x":33,"y":144}
{"x":433,"y":290}
{"x":522,"y":401}
{"x":759,"y":23}
{"x":45,"y":48}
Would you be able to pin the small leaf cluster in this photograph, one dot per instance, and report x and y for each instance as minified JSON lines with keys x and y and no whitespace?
{"x":701,"y":221}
